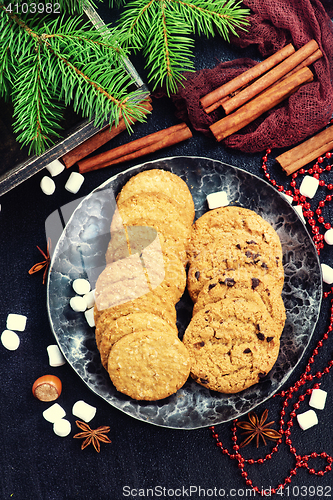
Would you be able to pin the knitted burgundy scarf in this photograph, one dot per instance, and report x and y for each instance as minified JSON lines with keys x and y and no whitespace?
{"x":273,"y":24}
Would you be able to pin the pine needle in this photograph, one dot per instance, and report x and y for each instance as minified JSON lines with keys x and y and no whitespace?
{"x":47,"y":63}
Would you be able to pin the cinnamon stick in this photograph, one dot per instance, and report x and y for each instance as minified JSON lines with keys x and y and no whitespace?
{"x":212,"y":100}
{"x":99,"y":139}
{"x":271,"y":77}
{"x":139,"y":147}
{"x":260,"y":104}
{"x":306,"y":152}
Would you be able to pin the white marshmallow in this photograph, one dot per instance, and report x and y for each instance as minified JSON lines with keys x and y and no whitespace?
{"x":328,"y":236}
{"x":318,"y":399}
{"x":55,"y":356}
{"x":62,"y":427}
{"x":74,"y":182}
{"x":54,"y":413}
{"x":81,"y":286}
{"x":327,"y":274}
{"x":309,"y":186}
{"x":89,"y":315}
{"x":55,"y":167}
{"x":10,"y":340}
{"x":218,"y":199}
{"x":287,"y":197}
{"x":16,"y":322}
{"x":90,"y":299}
{"x":47,"y":185}
{"x":78,"y":303}
{"x":307,"y":419}
{"x":299,"y":210}
{"x":82,"y":410}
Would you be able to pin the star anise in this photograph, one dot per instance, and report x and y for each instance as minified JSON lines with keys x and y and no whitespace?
{"x":45,"y":263}
{"x":256,"y":428}
{"x":92,"y":436}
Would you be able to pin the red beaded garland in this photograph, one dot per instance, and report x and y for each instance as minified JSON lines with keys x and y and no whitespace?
{"x":300,"y":461}
{"x":316,"y":171}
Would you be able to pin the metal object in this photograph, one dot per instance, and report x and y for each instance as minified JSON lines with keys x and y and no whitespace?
{"x":17,"y":166}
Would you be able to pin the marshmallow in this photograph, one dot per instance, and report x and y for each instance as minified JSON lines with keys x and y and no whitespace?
{"x":82,"y":410}
{"x":90,"y":299}
{"x":307,"y":419}
{"x":62,"y":427}
{"x":328,"y":236}
{"x":318,"y":399}
{"x":55,"y":167}
{"x":81,"y":286}
{"x":55,"y":356}
{"x":16,"y":322}
{"x":78,"y":303}
{"x":74,"y":182}
{"x":309,"y":186}
{"x":327,"y":274}
{"x":299,"y":210}
{"x":89,"y":315}
{"x":47,"y":185}
{"x":218,"y":199}
{"x":10,"y":340}
{"x":54,"y":413}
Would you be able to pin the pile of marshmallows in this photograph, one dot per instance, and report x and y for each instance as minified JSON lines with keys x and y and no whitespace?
{"x":309,"y":418}
{"x":61,"y":426}
{"x":73,"y":184}
{"x":84,"y":300}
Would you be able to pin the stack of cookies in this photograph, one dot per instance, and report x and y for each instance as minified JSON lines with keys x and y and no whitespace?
{"x":235,"y":280}
{"x":144,"y":278}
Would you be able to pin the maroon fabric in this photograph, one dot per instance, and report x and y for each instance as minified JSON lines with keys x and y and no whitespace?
{"x":274,"y":23}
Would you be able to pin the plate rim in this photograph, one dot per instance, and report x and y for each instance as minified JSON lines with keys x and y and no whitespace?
{"x":127,"y":171}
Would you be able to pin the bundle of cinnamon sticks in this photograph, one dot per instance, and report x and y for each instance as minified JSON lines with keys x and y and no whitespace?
{"x":260,"y":88}
{"x":137,"y":148}
{"x":307,"y":151}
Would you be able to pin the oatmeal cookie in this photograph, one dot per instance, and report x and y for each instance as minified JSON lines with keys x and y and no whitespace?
{"x":232,"y":344}
{"x":156,"y":206}
{"x":160,"y":181}
{"x":233,"y":251}
{"x":150,"y":302}
{"x":212,"y":225}
{"x":112,"y":330}
{"x":244,"y":280}
{"x":149,"y":365}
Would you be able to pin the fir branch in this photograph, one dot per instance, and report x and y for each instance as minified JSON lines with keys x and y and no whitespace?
{"x":32,"y":104}
{"x":161,"y":29}
{"x":57,"y":62}
{"x":207,"y":18}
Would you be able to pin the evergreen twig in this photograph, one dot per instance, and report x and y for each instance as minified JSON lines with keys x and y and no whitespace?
{"x":162,"y":30}
{"x":46,"y":64}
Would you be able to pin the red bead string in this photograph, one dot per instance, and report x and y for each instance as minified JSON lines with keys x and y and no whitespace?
{"x":315,"y":217}
{"x":316,"y":220}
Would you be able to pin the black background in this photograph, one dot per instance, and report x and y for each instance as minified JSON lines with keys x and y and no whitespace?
{"x":38,"y":465}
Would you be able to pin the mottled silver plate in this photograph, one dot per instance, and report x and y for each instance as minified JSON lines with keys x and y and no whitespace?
{"x":80,"y":253}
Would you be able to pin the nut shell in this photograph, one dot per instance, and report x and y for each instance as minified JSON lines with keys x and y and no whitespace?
{"x":47,"y":388}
